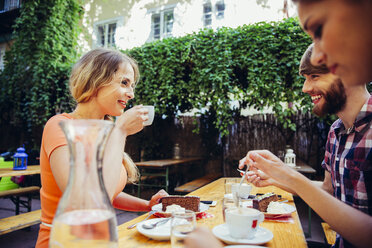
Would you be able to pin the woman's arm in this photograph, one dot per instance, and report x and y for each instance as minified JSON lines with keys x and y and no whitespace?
{"x":130,"y":122}
{"x":60,"y":166}
{"x":128,"y":202}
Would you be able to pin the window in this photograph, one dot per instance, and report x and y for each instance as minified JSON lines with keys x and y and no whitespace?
{"x":207,"y":14}
{"x":162,"y":24}
{"x":106,"y":33}
{"x":212,"y":13}
{"x":220,"y":10}
{"x":2,"y":55}
{"x":8,"y":5}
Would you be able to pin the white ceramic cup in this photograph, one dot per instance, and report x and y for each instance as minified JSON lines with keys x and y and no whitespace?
{"x":151,"y":114}
{"x":245,"y":189}
{"x":243,"y":222}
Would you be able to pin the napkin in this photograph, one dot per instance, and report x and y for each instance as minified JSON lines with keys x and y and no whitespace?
{"x":285,"y":219}
{"x":204,"y":215}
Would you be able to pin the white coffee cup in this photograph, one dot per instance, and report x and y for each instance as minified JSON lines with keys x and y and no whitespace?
{"x":245,"y":189}
{"x":243,"y":222}
{"x":150,"y":114}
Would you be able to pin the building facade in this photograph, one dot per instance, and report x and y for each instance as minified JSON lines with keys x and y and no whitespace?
{"x":128,"y":24}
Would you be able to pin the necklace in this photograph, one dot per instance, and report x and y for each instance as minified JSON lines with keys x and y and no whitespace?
{"x":350,"y":129}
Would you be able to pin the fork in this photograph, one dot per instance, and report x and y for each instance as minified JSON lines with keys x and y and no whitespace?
{"x":135,"y":224}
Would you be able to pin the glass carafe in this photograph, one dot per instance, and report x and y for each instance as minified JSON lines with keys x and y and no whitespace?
{"x":85,"y":216}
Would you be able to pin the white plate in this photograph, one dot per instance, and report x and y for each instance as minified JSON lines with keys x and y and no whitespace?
{"x":262,"y":236}
{"x":161,"y":232}
{"x":289,"y":210}
{"x":158,"y":207}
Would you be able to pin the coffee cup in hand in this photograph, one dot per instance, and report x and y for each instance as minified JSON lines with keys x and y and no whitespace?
{"x":242,"y":223}
{"x":150,"y":114}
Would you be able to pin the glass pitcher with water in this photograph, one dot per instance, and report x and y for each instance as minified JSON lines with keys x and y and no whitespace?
{"x":85,"y":216}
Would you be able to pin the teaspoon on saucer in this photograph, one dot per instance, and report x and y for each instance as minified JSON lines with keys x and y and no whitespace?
{"x":153,"y":225}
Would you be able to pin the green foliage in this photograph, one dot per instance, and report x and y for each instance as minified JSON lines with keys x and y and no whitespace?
{"x":217,"y":72}
{"x":34,"y":81}
{"x":250,"y":66}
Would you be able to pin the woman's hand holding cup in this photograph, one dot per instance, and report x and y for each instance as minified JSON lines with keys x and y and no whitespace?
{"x":131,"y":121}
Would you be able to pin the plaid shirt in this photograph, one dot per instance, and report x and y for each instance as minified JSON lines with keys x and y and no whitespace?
{"x":348,"y":158}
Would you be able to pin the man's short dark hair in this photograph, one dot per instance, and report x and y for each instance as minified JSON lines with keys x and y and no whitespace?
{"x":306,"y":68}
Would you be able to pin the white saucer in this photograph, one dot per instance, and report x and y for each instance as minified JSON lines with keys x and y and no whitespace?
{"x":262,"y":236}
{"x":288,"y":208}
{"x":161,"y":232}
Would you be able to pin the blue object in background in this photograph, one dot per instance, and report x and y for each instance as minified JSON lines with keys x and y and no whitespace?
{"x":20,"y":159}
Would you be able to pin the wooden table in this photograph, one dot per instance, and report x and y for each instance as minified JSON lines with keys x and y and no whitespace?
{"x":308,"y":171}
{"x":9,"y":172}
{"x":163,"y":165}
{"x":15,"y":194}
{"x":304,"y":168}
{"x":285,"y":234}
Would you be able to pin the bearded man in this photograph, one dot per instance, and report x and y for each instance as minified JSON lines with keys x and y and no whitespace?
{"x":347,"y":160}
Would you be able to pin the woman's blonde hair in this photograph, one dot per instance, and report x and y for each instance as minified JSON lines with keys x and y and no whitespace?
{"x":130,"y":166}
{"x":96,"y":69}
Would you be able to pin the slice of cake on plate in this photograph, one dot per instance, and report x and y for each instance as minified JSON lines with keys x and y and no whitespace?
{"x":262,"y":202}
{"x":187,"y":202}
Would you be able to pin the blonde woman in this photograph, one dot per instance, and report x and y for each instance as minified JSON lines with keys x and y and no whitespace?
{"x":101,"y":82}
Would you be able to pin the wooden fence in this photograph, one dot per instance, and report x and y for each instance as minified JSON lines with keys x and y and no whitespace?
{"x":253,"y":132}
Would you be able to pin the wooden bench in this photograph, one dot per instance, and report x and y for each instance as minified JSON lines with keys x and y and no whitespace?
{"x":330,"y":235}
{"x":20,"y":221}
{"x":197,"y":183}
{"x":15,"y":195}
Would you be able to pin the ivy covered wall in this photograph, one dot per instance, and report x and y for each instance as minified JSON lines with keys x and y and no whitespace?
{"x":215,"y":72}
{"x":224,"y":71}
{"x":34,"y":81}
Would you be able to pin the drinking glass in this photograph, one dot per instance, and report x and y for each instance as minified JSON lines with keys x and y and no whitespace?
{"x":181,"y":225}
{"x":227,"y":203}
{"x":228,"y":183}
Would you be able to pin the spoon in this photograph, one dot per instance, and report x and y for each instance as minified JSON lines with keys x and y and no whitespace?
{"x":150,"y":213}
{"x":155,"y":224}
{"x":237,"y":193}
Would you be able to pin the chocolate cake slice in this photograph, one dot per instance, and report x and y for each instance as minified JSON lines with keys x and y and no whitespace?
{"x":262,"y":202}
{"x":187,"y":202}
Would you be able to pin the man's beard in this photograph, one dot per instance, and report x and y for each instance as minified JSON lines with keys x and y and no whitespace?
{"x":335,"y":100}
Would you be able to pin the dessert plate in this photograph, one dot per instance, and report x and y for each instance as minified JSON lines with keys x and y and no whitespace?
{"x":161,"y":232}
{"x":158,"y":207}
{"x":262,"y":236}
{"x":289,"y":210}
